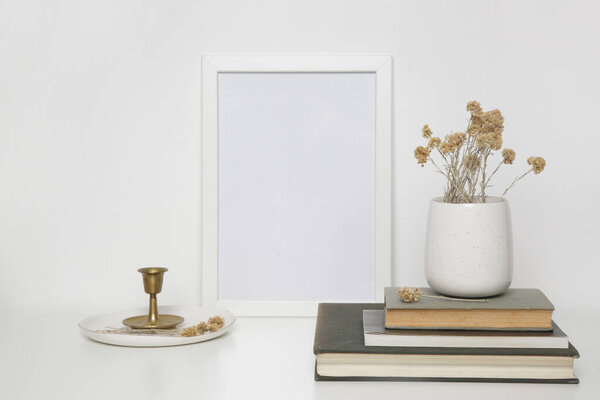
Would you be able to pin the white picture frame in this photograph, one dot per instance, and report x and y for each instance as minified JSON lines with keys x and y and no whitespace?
{"x":212,"y":66}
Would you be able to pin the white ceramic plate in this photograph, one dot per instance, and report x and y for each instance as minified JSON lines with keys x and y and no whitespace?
{"x":192,"y":315}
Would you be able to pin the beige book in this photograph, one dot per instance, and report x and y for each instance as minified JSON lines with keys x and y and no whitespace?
{"x":515,"y":309}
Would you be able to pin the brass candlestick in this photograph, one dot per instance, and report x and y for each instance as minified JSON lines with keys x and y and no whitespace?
{"x":153,"y":279}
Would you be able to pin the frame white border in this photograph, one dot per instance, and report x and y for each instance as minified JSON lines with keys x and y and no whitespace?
{"x":211,"y":67}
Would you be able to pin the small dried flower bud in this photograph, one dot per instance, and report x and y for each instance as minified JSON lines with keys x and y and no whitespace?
{"x":456,"y":139}
{"x":409,"y":295}
{"x":427,"y":132}
{"x":434,"y":142}
{"x":217,"y":320}
{"x":214,"y":324}
{"x":190,"y":331}
{"x":475,"y":125}
{"x":494,"y":118}
{"x":490,"y":140}
{"x":202,"y":327}
{"x":474,"y":107}
{"x":537,"y":163}
{"x":508,"y":155}
{"x":446,"y":148}
{"x":481,"y":142}
{"x":421,"y":154}
{"x":472,"y":162}
{"x":495,"y":141}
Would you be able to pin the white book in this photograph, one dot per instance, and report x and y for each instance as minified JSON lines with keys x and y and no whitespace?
{"x":376,"y":335}
{"x":432,"y":366}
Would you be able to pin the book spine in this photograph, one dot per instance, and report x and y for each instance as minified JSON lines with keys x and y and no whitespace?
{"x":317,"y":329}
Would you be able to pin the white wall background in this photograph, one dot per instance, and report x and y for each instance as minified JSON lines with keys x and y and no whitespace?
{"x":100,"y":131}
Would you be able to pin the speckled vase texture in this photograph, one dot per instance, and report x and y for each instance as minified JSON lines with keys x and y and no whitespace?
{"x":468,"y":250}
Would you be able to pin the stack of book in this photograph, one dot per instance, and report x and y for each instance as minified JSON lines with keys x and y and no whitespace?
{"x":507,"y":338}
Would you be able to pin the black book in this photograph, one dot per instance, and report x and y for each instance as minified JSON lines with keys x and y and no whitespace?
{"x":342,"y":355}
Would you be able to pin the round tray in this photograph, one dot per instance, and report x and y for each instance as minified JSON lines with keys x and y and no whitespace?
{"x":192,"y":316}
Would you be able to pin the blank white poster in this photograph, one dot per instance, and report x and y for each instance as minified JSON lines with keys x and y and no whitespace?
{"x":296,"y":186}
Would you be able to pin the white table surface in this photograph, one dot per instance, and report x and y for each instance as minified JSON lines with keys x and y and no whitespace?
{"x":43,"y":356}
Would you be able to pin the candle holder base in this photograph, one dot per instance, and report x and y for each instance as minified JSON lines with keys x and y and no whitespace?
{"x":162,"y":322}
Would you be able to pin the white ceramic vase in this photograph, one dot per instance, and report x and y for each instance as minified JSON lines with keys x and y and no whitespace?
{"x":468,"y":250}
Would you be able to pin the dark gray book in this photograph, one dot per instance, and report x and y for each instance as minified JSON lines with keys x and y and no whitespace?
{"x":342,"y":355}
{"x":515,"y":309}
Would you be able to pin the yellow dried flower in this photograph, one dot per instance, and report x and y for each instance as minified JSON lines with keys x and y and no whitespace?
{"x":493,"y":117}
{"x":202,"y":328}
{"x":427,"y":132}
{"x":486,"y":122}
{"x":409,"y":295}
{"x":217,"y":320}
{"x":190,"y":331}
{"x":508,"y":155}
{"x":537,"y":163}
{"x":495,"y":141}
{"x":489,"y":140}
{"x":474,"y":107}
{"x":475,"y":125}
{"x":434,"y":142}
{"x":456,"y":139}
{"x":421,"y":154}
{"x":446,"y":148}
{"x":214,"y":324}
{"x":481,"y":142}
{"x":472,"y":162}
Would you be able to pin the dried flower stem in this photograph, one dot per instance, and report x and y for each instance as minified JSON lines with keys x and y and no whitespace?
{"x":438,"y":168}
{"x":455,"y":298}
{"x":485,"y":157}
{"x":453,"y":178}
{"x":515,"y":181}
{"x":492,"y":174}
{"x":139,"y":332}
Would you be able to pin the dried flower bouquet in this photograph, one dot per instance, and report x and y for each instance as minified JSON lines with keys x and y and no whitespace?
{"x":465,"y":156}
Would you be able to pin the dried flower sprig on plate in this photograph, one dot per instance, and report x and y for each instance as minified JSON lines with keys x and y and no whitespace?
{"x":465,"y":156}
{"x":214,"y":324}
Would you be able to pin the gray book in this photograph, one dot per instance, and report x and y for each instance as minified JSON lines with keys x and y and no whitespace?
{"x":515,"y":309}
{"x":375,"y":334}
{"x":512,"y":299}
